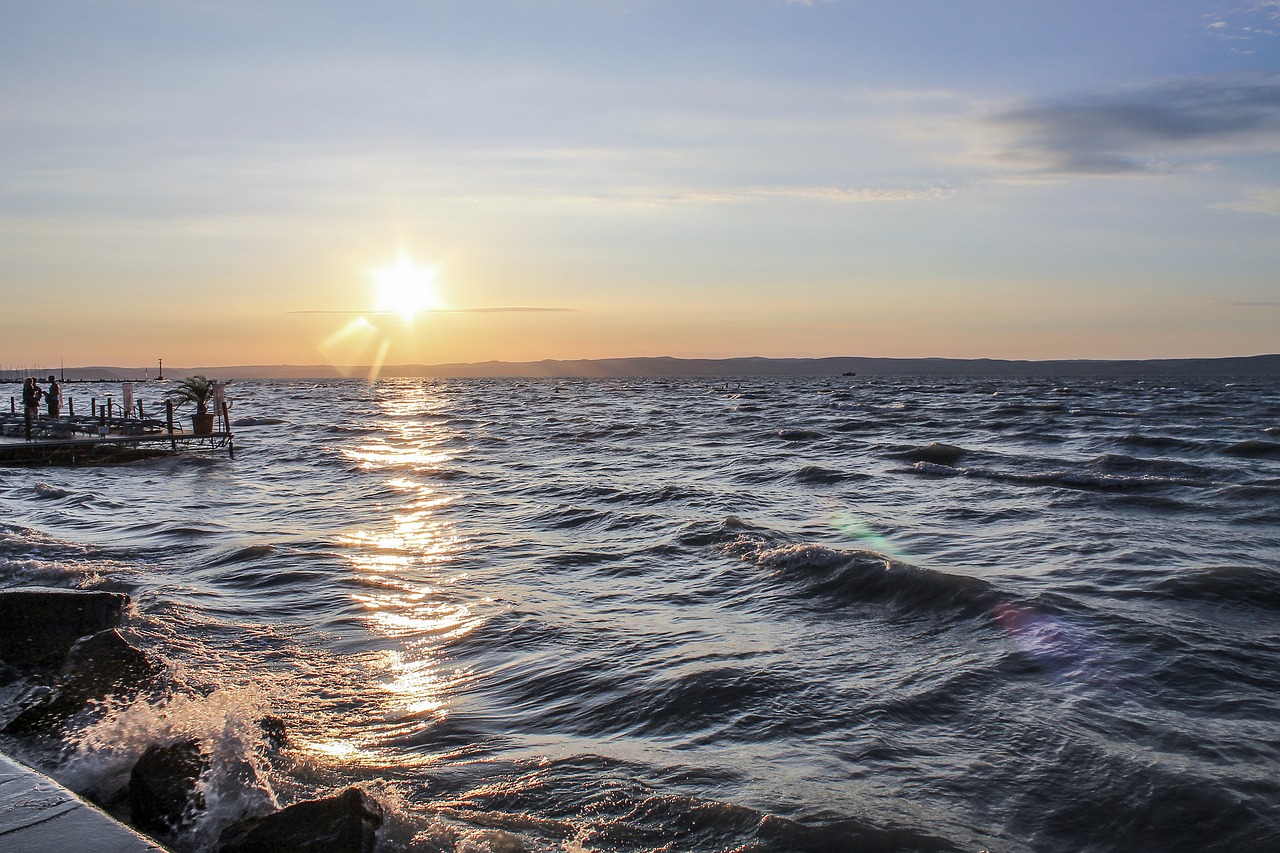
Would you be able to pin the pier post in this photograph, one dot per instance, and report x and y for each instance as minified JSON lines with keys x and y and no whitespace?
{"x":13,"y":405}
{"x":93,"y":407}
{"x":71,"y":407}
{"x":140,"y":417}
{"x":226,"y":425}
{"x":168,"y":410}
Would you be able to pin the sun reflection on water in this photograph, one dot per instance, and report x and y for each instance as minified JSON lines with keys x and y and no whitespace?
{"x":409,"y":585}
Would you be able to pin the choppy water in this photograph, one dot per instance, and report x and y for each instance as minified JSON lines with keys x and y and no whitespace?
{"x":698,"y":616}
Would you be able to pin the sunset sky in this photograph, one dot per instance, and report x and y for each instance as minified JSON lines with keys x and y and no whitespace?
{"x":220,"y":183}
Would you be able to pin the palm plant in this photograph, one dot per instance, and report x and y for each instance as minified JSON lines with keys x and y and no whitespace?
{"x":196,"y":389}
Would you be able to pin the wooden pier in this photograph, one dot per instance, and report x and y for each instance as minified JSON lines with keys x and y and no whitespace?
{"x":75,"y":440}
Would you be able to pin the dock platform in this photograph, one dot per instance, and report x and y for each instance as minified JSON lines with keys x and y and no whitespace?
{"x":75,"y":441}
{"x":37,"y":815}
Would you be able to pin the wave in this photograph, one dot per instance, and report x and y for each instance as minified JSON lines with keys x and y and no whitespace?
{"x":933,"y":453}
{"x":855,"y":576}
{"x":258,"y":421}
{"x":1253,"y":447}
{"x":1244,"y":586}
{"x":48,"y":492}
{"x":1161,"y":442}
{"x":798,"y":434}
{"x":1071,"y":479}
{"x":816,"y":474}
{"x":242,"y":555}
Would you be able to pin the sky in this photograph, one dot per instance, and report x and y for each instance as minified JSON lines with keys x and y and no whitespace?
{"x":224,"y":183}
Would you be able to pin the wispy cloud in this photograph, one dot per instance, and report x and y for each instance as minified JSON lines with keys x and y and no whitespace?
{"x":836,"y":195}
{"x":1148,"y":130}
{"x":841,"y":195}
{"x":1246,"y":22}
{"x":1257,"y":200}
{"x":505,"y":309}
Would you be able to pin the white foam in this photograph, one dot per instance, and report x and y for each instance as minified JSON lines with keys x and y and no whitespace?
{"x":226,"y":725}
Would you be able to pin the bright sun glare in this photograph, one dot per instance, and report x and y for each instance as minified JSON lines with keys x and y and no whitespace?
{"x":406,"y":288}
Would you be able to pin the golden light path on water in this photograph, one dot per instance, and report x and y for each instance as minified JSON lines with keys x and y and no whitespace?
{"x":407,"y":577}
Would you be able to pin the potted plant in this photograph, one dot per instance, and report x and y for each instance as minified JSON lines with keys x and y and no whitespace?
{"x":196,"y":389}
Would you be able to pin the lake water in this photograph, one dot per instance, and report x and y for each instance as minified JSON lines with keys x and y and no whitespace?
{"x":694,"y":615}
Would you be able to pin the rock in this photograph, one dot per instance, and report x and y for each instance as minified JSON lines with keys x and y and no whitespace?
{"x":273,"y":732}
{"x":38,"y":626}
{"x":939,"y":454}
{"x":105,"y":664}
{"x":345,"y":823}
{"x":96,"y":667}
{"x":42,"y":708}
{"x":31,"y":704}
{"x":163,"y":797}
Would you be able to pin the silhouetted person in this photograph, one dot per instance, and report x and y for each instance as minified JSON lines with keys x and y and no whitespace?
{"x":30,"y":402}
{"x":53,"y":398}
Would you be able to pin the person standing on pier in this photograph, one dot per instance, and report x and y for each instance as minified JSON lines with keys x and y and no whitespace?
{"x":30,"y":403}
{"x":53,"y":398}
{"x":31,"y":394}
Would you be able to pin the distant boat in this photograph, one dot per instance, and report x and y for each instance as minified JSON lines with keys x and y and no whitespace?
{"x":848,"y":373}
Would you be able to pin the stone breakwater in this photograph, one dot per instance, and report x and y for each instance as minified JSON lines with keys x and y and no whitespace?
{"x":62,"y":654}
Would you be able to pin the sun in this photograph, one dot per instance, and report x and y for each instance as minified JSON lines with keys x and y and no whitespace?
{"x":406,"y":288}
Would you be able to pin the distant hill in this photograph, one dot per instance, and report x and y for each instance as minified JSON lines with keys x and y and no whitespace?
{"x":726,"y":368}
{"x":1248,"y":366}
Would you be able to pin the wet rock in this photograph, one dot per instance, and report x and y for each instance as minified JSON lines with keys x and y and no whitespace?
{"x":29,"y":710}
{"x":163,"y":795}
{"x":345,"y":823}
{"x":105,"y":664}
{"x":38,"y":626}
{"x":273,"y":732}
{"x":938,"y":454}
{"x":42,"y":710}
{"x":98,"y":666}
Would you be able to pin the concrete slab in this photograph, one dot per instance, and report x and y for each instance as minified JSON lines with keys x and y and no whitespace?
{"x":37,"y":815}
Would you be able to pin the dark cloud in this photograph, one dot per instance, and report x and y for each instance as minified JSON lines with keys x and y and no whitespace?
{"x":1145,"y":130}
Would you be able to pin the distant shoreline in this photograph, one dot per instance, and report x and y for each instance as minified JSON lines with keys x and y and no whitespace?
{"x":754,"y":367}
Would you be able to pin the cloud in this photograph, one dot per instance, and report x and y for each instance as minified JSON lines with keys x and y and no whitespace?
{"x":1257,"y":200}
{"x":504,"y":309}
{"x":1148,"y":130}
{"x":1249,"y":21}
{"x":833,"y":194}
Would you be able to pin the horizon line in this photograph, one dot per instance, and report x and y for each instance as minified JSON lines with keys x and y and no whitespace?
{"x":898,"y":358}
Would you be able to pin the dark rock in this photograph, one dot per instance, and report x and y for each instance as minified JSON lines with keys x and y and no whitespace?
{"x":345,"y":823}
{"x":939,"y":454}
{"x":42,"y":709}
{"x":163,"y":797}
{"x":273,"y":731}
{"x":96,"y":667}
{"x":38,"y":626}
{"x":32,"y":709}
{"x":105,"y":664}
